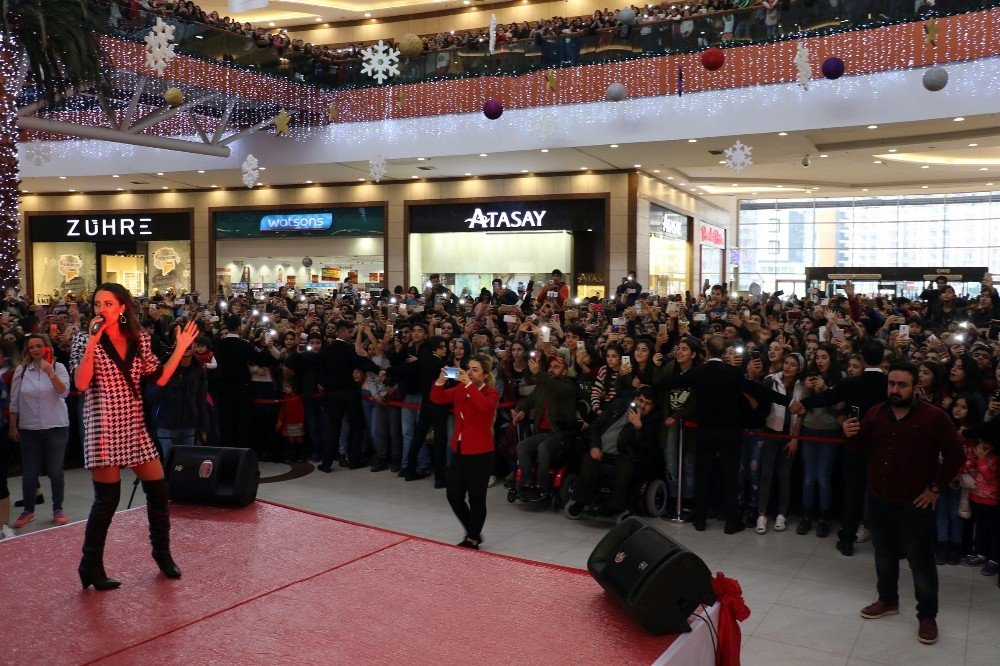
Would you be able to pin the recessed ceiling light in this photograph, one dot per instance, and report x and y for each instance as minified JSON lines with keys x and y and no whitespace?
{"x":722,"y":161}
{"x":926,"y":166}
{"x":864,"y":189}
{"x":877,"y":162}
{"x":923,"y":187}
{"x":467,"y":173}
{"x":165,"y":187}
{"x":201,"y":171}
{"x":524,"y":171}
{"x":735,"y":185}
{"x":258,"y":185}
{"x":214,"y":186}
{"x":984,"y":168}
{"x":780,"y":186}
{"x":683,"y":184}
{"x":782,"y":133}
{"x":114,"y":175}
{"x":973,"y":145}
{"x":545,"y":150}
{"x":271,"y":24}
{"x":159,"y":173}
{"x":670,"y":177}
{"x":989,"y":184}
{"x":120,"y":189}
{"x":873,"y":127}
{"x":753,"y":193}
{"x":308,"y":182}
{"x":959,"y":119}
{"x":262,"y":168}
{"x":482,"y":154}
{"x":583,"y":168}
{"x":62,"y":177}
{"x":893,"y":150}
{"x":692,"y":140}
{"x":824,"y":155}
{"x":413,"y":177}
{"x":466,"y":2}
{"x":421,"y":159}
{"x":361,"y":180}
{"x":637,"y":166}
{"x":614,"y":145}
{"x":656,"y":171}
{"x":318,"y":20}
{"x":368,"y":14}
{"x":72,"y":190}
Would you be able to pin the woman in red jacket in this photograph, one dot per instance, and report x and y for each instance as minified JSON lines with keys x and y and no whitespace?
{"x":474,"y":400}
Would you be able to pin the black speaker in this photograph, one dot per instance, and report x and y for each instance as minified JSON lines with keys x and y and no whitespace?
{"x":215,"y":475}
{"x":658,"y":580}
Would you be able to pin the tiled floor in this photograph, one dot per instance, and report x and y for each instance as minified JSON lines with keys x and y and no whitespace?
{"x":804,"y":596}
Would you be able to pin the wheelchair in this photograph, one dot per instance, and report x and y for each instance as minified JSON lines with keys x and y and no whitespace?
{"x":647,"y":492}
{"x":560,"y":471}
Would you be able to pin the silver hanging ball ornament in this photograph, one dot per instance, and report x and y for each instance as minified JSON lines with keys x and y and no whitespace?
{"x":627,"y":16}
{"x":935,"y":78}
{"x":616,"y":92}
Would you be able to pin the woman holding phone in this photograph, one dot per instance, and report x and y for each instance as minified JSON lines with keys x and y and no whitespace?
{"x":39,"y":420}
{"x":474,"y":400}
{"x":115,"y":358}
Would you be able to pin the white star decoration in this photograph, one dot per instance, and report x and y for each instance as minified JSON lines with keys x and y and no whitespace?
{"x":803,"y":70}
{"x":738,"y":157}
{"x":38,"y":153}
{"x":377,"y":168}
{"x":159,"y":50}
{"x":381,"y":62}
{"x":250,"y":171}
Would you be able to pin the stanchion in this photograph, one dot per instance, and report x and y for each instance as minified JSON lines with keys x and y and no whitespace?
{"x":678,"y":520}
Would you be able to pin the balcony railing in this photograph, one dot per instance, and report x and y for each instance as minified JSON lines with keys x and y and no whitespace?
{"x":750,"y":25}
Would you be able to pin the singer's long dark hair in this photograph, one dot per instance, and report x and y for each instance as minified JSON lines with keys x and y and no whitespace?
{"x":130,"y":328}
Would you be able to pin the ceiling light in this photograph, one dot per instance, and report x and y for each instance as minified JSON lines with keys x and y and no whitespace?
{"x":877,"y":162}
{"x":421,"y":159}
{"x":614,"y":145}
{"x":984,"y":168}
{"x":893,"y":150}
{"x":923,"y":187}
{"x":368,"y":14}
{"x":466,"y":2}
{"x":120,"y":189}
{"x":262,"y":168}
{"x":973,"y":145}
{"x":692,"y":140}
{"x":864,"y":189}
{"x":683,"y":184}
{"x":583,"y":168}
{"x":637,"y":166}
{"x":318,"y":19}
{"x":159,"y":173}
{"x":959,"y":119}
{"x":214,"y":186}
{"x":524,"y":171}
{"x":722,"y":161}
{"x":656,"y":171}
{"x":258,"y":185}
{"x":72,"y":190}
{"x":925,"y":166}
{"x":780,"y":186}
{"x":201,"y":171}
{"x":735,"y":185}
{"x":989,"y":184}
{"x":545,"y":150}
{"x":782,"y":133}
{"x":754,"y":193}
{"x":308,"y":182}
{"x":165,"y":187}
{"x":114,"y":175}
{"x":670,"y":177}
{"x":361,"y":180}
{"x":271,"y":24}
{"x":467,"y":173}
{"x":482,"y":154}
{"x":413,"y":177}
{"x":824,"y":155}
{"x":873,"y":127}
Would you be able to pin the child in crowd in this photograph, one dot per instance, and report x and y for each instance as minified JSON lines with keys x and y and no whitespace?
{"x":949,"y":518}
{"x":984,"y":500}
{"x":291,"y":422}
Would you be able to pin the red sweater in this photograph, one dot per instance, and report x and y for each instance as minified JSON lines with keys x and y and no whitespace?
{"x":474,"y":412}
{"x":293,"y":413}
{"x":984,"y":471}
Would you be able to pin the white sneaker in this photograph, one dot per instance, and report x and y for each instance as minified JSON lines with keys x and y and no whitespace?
{"x":493,"y":481}
{"x":761,"y":525}
{"x":862,"y":535}
{"x":779,"y":523}
{"x":6,"y":532}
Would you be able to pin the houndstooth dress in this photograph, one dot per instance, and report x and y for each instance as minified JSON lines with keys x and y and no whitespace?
{"x":114,"y":427}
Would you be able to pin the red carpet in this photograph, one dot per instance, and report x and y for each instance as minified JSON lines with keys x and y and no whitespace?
{"x":270,"y":584}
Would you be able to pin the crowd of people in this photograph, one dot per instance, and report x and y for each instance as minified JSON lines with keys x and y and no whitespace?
{"x":361,"y":380}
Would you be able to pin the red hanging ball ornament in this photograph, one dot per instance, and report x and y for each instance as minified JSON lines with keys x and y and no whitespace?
{"x":713,"y":58}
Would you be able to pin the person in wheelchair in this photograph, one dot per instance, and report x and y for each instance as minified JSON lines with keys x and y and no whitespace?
{"x":626,"y":436}
{"x":553,"y":412}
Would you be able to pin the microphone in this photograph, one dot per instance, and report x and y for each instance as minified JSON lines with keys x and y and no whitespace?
{"x":95,"y":324}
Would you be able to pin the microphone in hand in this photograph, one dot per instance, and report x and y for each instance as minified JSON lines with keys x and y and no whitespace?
{"x":95,"y":324}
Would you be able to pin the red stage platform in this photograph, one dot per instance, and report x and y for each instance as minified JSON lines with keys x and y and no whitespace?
{"x":271,"y":584}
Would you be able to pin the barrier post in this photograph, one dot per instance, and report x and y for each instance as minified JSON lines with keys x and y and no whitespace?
{"x":678,"y":520}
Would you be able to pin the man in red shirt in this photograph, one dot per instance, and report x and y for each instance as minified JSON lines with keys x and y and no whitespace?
{"x":555,"y":291}
{"x":915,"y":451}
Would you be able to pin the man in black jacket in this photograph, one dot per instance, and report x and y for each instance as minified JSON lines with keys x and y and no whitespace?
{"x":625,"y":435}
{"x":307,"y":368}
{"x":432,"y":416}
{"x":235,"y":356}
{"x":859,"y":394}
{"x":404,"y":371}
{"x":339,"y":361}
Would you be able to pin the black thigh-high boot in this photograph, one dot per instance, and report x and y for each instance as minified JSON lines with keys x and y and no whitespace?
{"x":158,"y":511}
{"x":91,"y":570}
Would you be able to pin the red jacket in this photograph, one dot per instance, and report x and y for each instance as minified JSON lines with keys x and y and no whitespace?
{"x":474,"y":413}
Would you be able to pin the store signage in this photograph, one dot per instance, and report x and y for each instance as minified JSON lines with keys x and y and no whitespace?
{"x":115,"y":226}
{"x":503,"y":216}
{"x":711,"y":235}
{"x":672,"y":227}
{"x":296,"y":222}
{"x":499,"y":220}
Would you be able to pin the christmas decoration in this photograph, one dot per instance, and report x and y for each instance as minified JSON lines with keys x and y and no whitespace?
{"x":935,"y":78}
{"x":377,"y":168}
{"x":173,"y":97}
{"x":738,"y":157}
{"x":38,"y":153}
{"x":544,"y":126}
{"x":159,"y":50}
{"x":680,"y":81}
{"x":713,"y":58}
{"x":931,"y":31}
{"x":401,"y":99}
{"x":332,"y":113}
{"x":833,"y":68}
{"x":281,"y":123}
{"x":380,"y":62}
{"x":551,"y":81}
{"x":803,"y":70}
{"x":627,"y":16}
{"x":493,"y":33}
{"x":251,"y":171}
{"x":616,"y":92}
{"x":492,"y":109}
{"x":410,"y":45}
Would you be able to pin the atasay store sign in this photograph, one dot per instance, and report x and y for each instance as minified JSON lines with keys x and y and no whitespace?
{"x":102,"y":227}
{"x":508,"y":216}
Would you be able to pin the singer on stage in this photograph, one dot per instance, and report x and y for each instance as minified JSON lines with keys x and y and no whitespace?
{"x":114,"y":359}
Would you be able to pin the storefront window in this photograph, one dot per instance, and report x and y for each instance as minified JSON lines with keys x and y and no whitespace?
{"x":713,"y":251}
{"x":668,"y":251}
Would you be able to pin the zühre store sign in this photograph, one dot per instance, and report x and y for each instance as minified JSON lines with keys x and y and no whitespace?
{"x":115,"y":226}
{"x":512,"y":216}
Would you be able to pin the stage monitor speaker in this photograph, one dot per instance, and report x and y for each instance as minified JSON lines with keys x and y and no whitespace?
{"x":658,"y":580}
{"x":215,"y":475}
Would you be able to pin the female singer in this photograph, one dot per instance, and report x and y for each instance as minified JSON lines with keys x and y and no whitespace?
{"x":475,"y":405}
{"x":113,"y":361}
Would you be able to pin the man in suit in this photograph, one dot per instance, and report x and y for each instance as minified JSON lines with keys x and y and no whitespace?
{"x":234,"y":356}
{"x":432,"y":416}
{"x":339,"y":362}
{"x":859,"y":394}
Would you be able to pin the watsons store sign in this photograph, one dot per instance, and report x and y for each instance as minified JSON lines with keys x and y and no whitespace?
{"x":500,"y":219}
{"x":296,"y":222}
{"x":508,"y":216}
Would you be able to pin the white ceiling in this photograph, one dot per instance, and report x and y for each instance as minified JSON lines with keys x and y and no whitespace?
{"x":284,"y":13}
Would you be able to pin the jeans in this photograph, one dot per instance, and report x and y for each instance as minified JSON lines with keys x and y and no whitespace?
{"x":48,"y":445}
{"x":542,"y":445}
{"x":670,"y":436}
{"x":949,"y":525}
{"x":377,"y":419}
{"x":775,"y":455}
{"x":900,"y":530}
{"x":818,"y":459}
{"x":168,"y":437}
{"x":409,"y":418}
{"x":469,"y":475}
{"x":749,"y":482}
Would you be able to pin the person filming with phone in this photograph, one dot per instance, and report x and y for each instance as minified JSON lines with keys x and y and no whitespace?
{"x":39,"y":420}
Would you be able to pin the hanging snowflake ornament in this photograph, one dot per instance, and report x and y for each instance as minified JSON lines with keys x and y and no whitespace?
{"x":543,"y":127}
{"x":377,"y":168}
{"x":380,"y":61}
{"x":38,"y":153}
{"x":738,"y":157}
{"x":159,"y":50}
{"x":251,"y":171}
{"x":803,"y":70}
{"x":493,"y":33}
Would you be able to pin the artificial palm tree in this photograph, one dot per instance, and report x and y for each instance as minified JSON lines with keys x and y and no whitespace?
{"x":48,"y":46}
